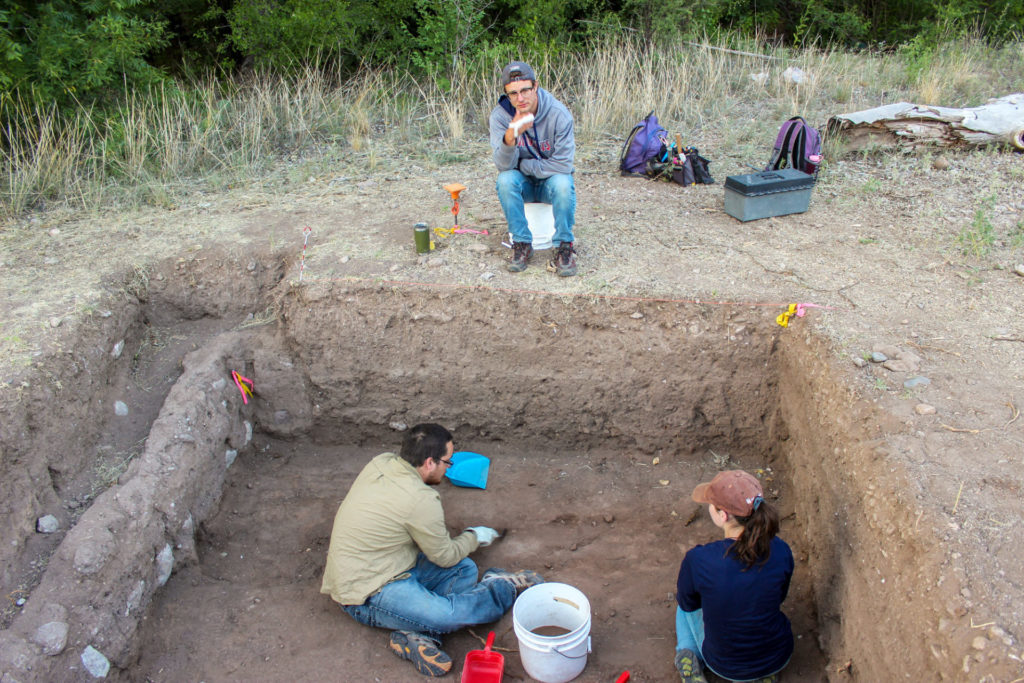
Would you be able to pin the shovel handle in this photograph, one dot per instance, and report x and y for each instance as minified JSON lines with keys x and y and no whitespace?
{"x":490,"y":642}
{"x":623,"y":678}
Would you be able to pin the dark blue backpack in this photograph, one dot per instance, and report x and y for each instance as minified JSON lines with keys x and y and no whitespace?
{"x":798,"y":146}
{"x":647,"y":141}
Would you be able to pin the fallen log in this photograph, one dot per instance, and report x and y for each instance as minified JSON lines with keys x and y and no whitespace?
{"x":999,"y":121}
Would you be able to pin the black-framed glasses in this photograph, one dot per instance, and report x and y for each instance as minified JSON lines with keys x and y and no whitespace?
{"x":447,"y":462}
{"x":520,"y":93}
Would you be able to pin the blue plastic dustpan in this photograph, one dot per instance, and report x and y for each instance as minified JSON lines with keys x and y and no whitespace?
{"x":469,"y":469}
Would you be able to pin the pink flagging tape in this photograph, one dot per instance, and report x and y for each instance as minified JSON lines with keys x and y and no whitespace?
{"x":798,"y":310}
{"x":302,"y":260}
{"x":244,"y":385}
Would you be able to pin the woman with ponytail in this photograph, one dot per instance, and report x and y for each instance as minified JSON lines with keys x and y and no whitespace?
{"x":730,"y":591}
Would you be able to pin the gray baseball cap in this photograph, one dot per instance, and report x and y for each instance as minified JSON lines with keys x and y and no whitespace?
{"x":517,"y":71}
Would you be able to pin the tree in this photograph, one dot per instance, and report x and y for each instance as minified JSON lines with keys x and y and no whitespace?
{"x":63,"y":50}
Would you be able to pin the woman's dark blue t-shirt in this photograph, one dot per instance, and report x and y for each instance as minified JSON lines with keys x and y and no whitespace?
{"x":746,"y":635}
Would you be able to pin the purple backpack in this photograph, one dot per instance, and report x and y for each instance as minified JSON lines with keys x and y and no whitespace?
{"x":645,"y":142}
{"x":797,"y":146}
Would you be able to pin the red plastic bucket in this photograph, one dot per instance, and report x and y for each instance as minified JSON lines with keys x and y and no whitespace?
{"x":484,"y":666}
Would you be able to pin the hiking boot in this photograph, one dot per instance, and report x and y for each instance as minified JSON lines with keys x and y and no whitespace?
{"x":423,"y":651}
{"x":689,"y":667}
{"x":522,"y":579}
{"x":774,"y":678}
{"x":521,"y":253}
{"x":564,"y":262}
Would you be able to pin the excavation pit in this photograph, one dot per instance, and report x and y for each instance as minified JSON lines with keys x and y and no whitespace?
{"x":600,"y":415}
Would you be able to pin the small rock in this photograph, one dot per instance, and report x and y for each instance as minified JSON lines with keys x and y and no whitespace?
{"x":47,"y":524}
{"x":637,"y":315}
{"x":900,"y":365}
{"x":394,"y":268}
{"x":887,"y":350}
{"x":940,"y":164}
{"x":95,"y":663}
{"x":164,"y":564}
{"x":345,"y":259}
{"x":486,"y":276}
{"x":398,"y":426}
{"x":281,"y":416}
{"x":54,"y":232}
{"x":1019,"y":269}
{"x":609,"y":518}
{"x":573,"y":547}
{"x":859,"y":362}
{"x":51,"y":261}
{"x":924,"y":409}
{"x":117,"y":350}
{"x":229,"y":457}
{"x":918,"y":381}
{"x":52,"y":637}
{"x":878,"y":357}
{"x":251,"y":267}
{"x":435,"y":262}
{"x":56,"y":322}
{"x":979,"y":643}
{"x":477,"y":248}
{"x":120,"y":408}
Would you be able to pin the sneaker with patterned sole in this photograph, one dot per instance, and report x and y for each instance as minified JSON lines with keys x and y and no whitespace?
{"x":563,"y":263}
{"x":521,"y":579}
{"x":423,"y":651}
{"x":521,"y":253}
{"x":689,"y":667}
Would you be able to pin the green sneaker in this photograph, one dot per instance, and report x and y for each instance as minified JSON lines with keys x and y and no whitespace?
{"x":689,"y":667}
{"x":423,"y":651}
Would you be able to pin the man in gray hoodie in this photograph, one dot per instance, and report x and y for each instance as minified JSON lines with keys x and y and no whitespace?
{"x":534,"y":146}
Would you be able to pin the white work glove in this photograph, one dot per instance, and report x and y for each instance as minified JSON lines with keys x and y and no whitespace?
{"x":485,"y":535}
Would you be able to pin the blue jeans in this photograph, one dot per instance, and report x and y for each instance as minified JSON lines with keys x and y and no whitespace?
{"x":435,"y":600}
{"x":690,"y":631}
{"x":516,"y":189}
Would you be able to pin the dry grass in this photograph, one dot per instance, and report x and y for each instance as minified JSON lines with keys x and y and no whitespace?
{"x":163,"y":141}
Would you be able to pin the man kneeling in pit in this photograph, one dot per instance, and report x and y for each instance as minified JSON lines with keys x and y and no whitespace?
{"x":392,"y":564}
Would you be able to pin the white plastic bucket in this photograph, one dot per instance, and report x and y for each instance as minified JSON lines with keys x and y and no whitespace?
{"x":552,"y":659}
{"x":541,"y":220}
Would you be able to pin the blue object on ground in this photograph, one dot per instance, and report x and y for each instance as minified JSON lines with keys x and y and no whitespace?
{"x":469,"y":469}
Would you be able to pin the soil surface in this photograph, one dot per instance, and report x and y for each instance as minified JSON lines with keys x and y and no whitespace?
{"x":618,"y":533}
{"x":885,"y":250}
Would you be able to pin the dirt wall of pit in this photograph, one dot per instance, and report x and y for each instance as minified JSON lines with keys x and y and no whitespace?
{"x":887,"y":609}
{"x":649,"y":376}
{"x":55,"y":408}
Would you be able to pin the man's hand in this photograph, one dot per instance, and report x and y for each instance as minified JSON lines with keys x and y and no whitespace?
{"x":520,"y":122}
{"x":485,"y":535}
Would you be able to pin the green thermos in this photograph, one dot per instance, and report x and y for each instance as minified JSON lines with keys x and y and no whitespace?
{"x":422,"y":235}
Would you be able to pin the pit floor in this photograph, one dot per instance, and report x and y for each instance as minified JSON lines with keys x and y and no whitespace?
{"x":612,"y":523}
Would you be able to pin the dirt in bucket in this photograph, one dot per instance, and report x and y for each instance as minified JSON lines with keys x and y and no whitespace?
{"x":550,"y":631}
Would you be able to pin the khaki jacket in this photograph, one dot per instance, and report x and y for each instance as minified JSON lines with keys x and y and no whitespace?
{"x":387,"y":518}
